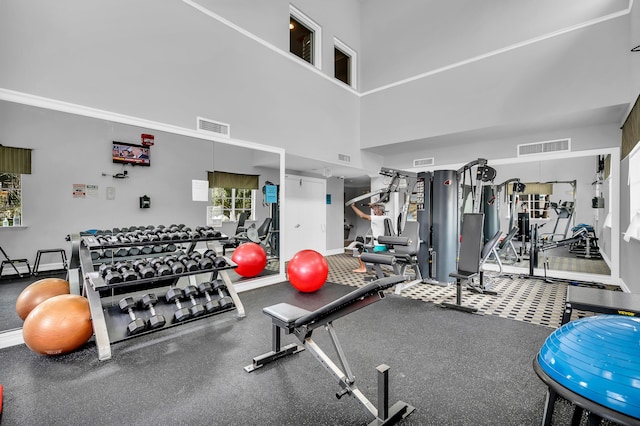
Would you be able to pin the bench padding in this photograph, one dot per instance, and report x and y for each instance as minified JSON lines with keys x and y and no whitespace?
{"x":348,"y":299}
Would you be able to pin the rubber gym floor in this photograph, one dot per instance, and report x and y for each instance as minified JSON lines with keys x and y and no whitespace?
{"x":455,"y":368}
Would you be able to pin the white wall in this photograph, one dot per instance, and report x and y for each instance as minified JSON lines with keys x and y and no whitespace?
{"x":69,"y":149}
{"x":452,"y":150}
{"x":630,"y":251}
{"x":335,"y":215}
{"x":580,"y":70}
{"x":170,"y":63}
{"x":435,"y":34}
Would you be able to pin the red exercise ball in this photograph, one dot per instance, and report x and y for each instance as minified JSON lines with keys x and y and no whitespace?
{"x":250,"y":258}
{"x":308,"y":270}
{"x":38,"y":292}
{"x":58,"y":325}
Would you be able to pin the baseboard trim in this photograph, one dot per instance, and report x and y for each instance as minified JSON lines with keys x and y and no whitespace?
{"x":11,"y":338}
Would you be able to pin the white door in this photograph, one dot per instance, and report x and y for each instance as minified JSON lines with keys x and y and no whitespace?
{"x":306,"y":215}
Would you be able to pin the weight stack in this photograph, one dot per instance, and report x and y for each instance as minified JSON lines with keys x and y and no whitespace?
{"x":444,"y":213}
{"x":491,"y":218}
{"x":423,"y":215}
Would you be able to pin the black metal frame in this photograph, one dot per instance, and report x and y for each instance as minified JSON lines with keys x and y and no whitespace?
{"x":301,"y":323}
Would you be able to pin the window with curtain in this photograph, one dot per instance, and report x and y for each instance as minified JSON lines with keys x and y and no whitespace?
{"x":234,"y":194}
{"x":14,"y":162}
{"x":535,"y":199}
{"x":633,"y":231}
{"x":631,"y":146}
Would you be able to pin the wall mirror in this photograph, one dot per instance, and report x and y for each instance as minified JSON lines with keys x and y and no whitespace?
{"x":75,"y":139}
{"x":565,"y":195}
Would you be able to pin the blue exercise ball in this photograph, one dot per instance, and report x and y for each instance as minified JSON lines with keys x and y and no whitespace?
{"x":598,"y":358}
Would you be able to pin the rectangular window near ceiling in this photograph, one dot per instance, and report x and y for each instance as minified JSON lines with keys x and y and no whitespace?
{"x":345,"y":63}
{"x":342,"y":66}
{"x":10,"y":199}
{"x":304,"y":37}
{"x":234,"y":201}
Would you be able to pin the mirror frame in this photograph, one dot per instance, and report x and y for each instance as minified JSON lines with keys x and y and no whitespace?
{"x":614,"y":277}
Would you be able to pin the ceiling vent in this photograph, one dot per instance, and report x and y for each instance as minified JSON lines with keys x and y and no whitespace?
{"x":344,"y":157}
{"x":536,"y":148}
{"x":215,"y":127}
{"x":423,"y":162}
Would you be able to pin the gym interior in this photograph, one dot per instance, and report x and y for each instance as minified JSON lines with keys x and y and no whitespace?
{"x":180,"y":184}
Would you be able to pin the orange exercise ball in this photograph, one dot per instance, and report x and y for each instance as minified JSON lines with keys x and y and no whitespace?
{"x":58,"y":325}
{"x":39,"y":291}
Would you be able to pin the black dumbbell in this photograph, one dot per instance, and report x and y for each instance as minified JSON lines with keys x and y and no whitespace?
{"x":161,"y":268}
{"x":224,"y":301}
{"x":219,"y":262}
{"x":174,"y":295}
{"x":104,"y":268}
{"x":126,"y":270}
{"x":136,"y":325}
{"x":174,"y":264}
{"x":109,"y":274}
{"x":206,"y":289}
{"x":144,"y":268}
{"x":148,"y":301}
{"x":196,"y":308}
{"x":205,"y":263}
{"x":189,"y":264}
{"x":122,"y":252}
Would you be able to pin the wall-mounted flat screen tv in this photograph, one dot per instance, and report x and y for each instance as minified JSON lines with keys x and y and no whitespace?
{"x":128,"y":153}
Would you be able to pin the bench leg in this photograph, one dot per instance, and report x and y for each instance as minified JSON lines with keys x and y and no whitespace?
{"x":276,"y":352}
{"x":458,"y":305}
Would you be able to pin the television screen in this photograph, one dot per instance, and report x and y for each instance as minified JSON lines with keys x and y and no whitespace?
{"x":128,"y":153}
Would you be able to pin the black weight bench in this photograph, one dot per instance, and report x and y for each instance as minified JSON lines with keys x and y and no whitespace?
{"x":301,"y":323}
{"x":600,"y":301}
{"x":469,"y":259}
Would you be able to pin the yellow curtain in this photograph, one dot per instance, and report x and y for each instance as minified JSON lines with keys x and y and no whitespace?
{"x":232,"y":180}
{"x":536,"y":188}
{"x":631,"y":129}
{"x":15,"y":160}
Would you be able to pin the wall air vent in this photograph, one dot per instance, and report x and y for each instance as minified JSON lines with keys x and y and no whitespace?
{"x":422,"y":162}
{"x":344,"y":157}
{"x":536,"y":148}
{"x":215,"y":127}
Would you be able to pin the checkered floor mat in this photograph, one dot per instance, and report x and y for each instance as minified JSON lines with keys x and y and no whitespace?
{"x":519,"y":298}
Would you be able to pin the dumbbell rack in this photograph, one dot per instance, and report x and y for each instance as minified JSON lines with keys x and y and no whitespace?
{"x":109,"y":323}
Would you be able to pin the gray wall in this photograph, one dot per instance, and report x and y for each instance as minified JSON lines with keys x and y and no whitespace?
{"x":168,"y":62}
{"x":459,"y":150}
{"x":335,"y":215}
{"x":542,"y":80}
{"x":437,"y":34}
{"x":69,"y":149}
{"x":630,"y":251}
